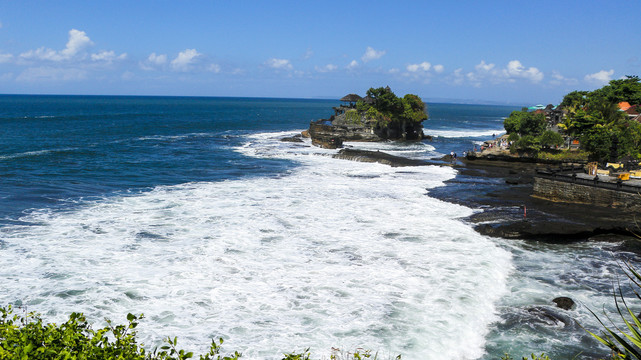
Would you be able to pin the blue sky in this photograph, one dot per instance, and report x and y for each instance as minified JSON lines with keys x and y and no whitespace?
{"x":515,"y":51}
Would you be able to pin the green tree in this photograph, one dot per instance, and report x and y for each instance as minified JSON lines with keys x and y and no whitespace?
{"x":626,"y":139}
{"x":394,"y":117}
{"x":575,"y":101}
{"x":549,"y":139}
{"x":524,"y":123}
{"x":512,"y":123}
{"x":385,"y":100}
{"x":598,"y":141}
{"x":628,"y":89}
{"x":528,"y":143}
{"x":413,"y":109}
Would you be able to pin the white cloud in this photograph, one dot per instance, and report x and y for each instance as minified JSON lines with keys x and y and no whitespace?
{"x":516,"y":70}
{"x":424,"y":66}
{"x":394,"y":71}
{"x":438,"y":68}
{"x":457,"y":76}
{"x":42,"y":54}
{"x":308,"y":54}
{"x":483,"y":67}
{"x":215,"y":68}
{"x":108,"y":56}
{"x":153,"y":61}
{"x":558,"y":79}
{"x":281,"y":64}
{"x":5,"y":58}
{"x":48,"y":73}
{"x":326,"y":68}
{"x":371,"y":54}
{"x":157,"y":59}
{"x":601,"y":77}
{"x":185,"y":59}
{"x":77,"y":43}
{"x":352,"y":65}
{"x":511,"y":73}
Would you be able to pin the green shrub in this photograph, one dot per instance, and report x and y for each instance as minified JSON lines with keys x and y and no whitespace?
{"x":564,"y":155}
{"x":532,"y":357}
{"x":550,"y":139}
{"x":27,"y":337}
{"x":353,"y":117}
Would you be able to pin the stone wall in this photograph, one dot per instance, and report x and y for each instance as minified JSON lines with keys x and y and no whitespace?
{"x":565,"y":191}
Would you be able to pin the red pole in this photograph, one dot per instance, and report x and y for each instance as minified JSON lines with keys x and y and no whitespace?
{"x":524,"y":212}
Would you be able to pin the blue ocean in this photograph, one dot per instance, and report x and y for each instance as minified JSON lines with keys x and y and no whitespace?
{"x":194,"y":212}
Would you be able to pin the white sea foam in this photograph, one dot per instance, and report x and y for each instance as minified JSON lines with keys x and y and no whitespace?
{"x":585,"y":272}
{"x":33,"y":153}
{"x":463,"y":133}
{"x":174,"y":137}
{"x":335,"y":254}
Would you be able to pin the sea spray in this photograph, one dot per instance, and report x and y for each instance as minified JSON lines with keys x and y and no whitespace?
{"x":333,"y":254}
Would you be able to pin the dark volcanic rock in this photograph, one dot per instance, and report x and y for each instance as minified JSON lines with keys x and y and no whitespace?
{"x":510,"y":211}
{"x":297,"y":138}
{"x":377,"y":156}
{"x":564,"y":303}
{"x":328,"y":142}
{"x":547,"y":316}
{"x":326,"y":135}
{"x":550,"y":231}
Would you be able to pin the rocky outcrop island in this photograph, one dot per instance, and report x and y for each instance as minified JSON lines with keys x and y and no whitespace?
{"x":379,"y":116}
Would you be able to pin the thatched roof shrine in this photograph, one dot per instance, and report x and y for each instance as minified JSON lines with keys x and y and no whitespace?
{"x":351,"y":98}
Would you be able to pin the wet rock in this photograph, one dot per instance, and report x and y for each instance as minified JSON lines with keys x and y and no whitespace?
{"x":327,"y":142}
{"x":547,"y":230}
{"x":296,"y":138}
{"x":547,"y":316}
{"x":564,"y":303}
{"x":377,"y":156}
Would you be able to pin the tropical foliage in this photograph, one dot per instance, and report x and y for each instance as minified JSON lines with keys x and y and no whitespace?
{"x":524,"y":123}
{"x":26,"y":336}
{"x":624,"y":341}
{"x":393,"y":114}
{"x":525,"y":129}
{"x":593,"y":117}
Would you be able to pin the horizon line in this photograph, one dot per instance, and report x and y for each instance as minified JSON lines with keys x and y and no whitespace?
{"x":337,"y":98}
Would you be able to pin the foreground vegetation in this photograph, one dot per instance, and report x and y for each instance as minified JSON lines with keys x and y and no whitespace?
{"x":25,"y":336}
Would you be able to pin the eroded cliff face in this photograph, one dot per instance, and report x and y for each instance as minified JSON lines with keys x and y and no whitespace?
{"x":330,"y":134}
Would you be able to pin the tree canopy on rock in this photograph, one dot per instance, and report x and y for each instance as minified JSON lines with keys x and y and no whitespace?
{"x":386,"y":107}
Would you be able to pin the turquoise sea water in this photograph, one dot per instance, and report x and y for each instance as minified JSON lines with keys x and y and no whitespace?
{"x":192,"y":211}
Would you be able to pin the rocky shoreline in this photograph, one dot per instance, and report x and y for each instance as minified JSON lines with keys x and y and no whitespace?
{"x":503,"y":189}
